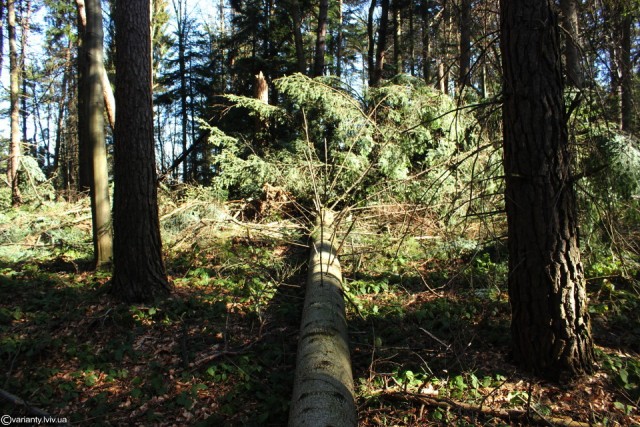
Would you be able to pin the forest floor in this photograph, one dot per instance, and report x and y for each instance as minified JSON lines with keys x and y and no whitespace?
{"x":428,"y":320}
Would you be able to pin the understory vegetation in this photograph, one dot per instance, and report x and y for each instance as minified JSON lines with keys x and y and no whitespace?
{"x":428,"y":322}
{"x":417,"y":181}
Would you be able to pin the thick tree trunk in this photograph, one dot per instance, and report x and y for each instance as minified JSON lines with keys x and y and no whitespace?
{"x":15,"y":149}
{"x":550,"y":323}
{"x":100,"y":205}
{"x":139,"y":273}
{"x":323,"y":386}
{"x":321,"y":38}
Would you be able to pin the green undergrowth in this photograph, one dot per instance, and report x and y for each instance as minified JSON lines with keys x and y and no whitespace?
{"x":428,"y":316}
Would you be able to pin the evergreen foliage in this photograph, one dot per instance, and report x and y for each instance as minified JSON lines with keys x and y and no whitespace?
{"x":403,"y":141}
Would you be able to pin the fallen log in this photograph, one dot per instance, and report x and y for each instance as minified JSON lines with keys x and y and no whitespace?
{"x":323,"y":386}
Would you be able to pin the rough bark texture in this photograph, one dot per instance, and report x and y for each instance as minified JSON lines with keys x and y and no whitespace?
{"x":323,"y":387}
{"x":139,"y":272}
{"x":15,"y":150}
{"x":550,"y":324}
{"x":100,"y":205}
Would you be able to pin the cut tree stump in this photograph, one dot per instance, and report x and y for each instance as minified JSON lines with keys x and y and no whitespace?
{"x":323,"y":386}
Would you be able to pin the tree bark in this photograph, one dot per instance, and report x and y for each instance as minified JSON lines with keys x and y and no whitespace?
{"x":464,"y":78}
{"x":323,"y":387}
{"x":2,"y":10}
{"x":139,"y":273}
{"x":339,"y":39}
{"x":296,"y":19}
{"x":15,"y":149}
{"x":321,"y":38}
{"x":100,"y":205}
{"x":382,"y":43}
{"x":371,"y":42}
{"x":84,"y":145}
{"x":550,"y":323}
{"x":179,"y":6}
{"x":66,"y":76}
{"x":26,"y":28}
{"x":397,"y":37}
{"x":572,"y":45}
{"x":626,"y":72}
{"x":426,"y":46}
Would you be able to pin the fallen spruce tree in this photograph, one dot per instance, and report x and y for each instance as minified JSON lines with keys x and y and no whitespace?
{"x":323,"y":386}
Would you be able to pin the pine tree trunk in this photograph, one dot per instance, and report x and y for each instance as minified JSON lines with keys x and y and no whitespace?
{"x":371,"y":43}
{"x":397,"y":37}
{"x":572,"y":45}
{"x":2,"y":10}
{"x":66,"y":77}
{"x":108,"y":100}
{"x":340,"y":39}
{"x":15,"y":149}
{"x":626,"y":73}
{"x":297,"y":36}
{"x":100,"y":205}
{"x":182,"y":91}
{"x":550,"y":323}
{"x":426,"y":47}
{"x":321,"y":38}
{"x":382,"y":43}
{"x":26,"y":28}
{"x":464,"y":78}
{"x":323,"y":387}
{"x":139,"y":273}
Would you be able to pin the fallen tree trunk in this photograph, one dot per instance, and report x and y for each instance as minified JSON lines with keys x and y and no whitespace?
{"x":323,"y":386}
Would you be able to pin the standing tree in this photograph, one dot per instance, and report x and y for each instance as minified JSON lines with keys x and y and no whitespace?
{"x":550,"y":324}
{"x":572,"y":44}
{"x":464,"y":77}
{"x":321,"y":38}
{"x":99,"y":181}
{"x":14,"y":93}
{"x":375,"y":75}
{"x":139,"y":273}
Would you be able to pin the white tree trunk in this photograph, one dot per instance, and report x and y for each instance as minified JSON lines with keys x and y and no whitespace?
{"x":323,"y":386}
